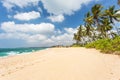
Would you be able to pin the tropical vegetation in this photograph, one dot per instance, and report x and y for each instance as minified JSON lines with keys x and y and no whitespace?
{"x":99,"y":30}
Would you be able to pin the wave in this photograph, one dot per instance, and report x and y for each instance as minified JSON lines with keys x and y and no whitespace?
{"x":12,"y":53}
{"x":17,"y":51}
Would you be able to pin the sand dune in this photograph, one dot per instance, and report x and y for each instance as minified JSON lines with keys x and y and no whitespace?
{"x":61,"y":64}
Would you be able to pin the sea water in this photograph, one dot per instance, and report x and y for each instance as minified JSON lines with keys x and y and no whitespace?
{"x":14,"y":51}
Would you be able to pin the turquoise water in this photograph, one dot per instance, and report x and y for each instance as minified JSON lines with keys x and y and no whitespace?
{"x":13,"y":51}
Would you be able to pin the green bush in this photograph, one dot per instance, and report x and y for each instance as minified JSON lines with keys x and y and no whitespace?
{"x":106,"y":45}
{"x":90,"y":45}
{"x":76,"y":45}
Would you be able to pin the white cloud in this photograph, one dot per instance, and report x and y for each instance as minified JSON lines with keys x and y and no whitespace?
{"x":43,"y":34}
{"x":55,"y":7}
{"x":63,"y":39}
{"x":71,"y":30}
{"x":27,"y":16}
{"x":23,"y":36}
{"x":20,"y":3}
{"x":58,"y":18}
{"x":43,"y":28}
{"x":63,"y":6}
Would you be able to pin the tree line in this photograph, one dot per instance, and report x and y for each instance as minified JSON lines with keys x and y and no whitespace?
{"x":99,"y":23}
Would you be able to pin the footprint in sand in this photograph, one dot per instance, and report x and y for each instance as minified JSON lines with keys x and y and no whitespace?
{"x":2,"y":75}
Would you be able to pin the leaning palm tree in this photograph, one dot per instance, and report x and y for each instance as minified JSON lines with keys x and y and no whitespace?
{"x":89,"y":19}
{"x":113,"y":34}
{"x":118,"y":2}
{"x":96,"y":13}
{"x":77,"y":38}
{"x":78,"y":35}
{"x":105,"y":27}
{"x":112,"y":14}
{"x":89,"y":24}
{"x":108,"y":27}
{"x":89,"y":31}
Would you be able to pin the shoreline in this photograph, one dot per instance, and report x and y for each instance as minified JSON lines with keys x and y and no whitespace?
{"x":69,"y":63}
{"x":21,"y":53}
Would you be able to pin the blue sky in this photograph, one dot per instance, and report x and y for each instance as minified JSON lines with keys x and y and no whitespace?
{"x":38,"y":23}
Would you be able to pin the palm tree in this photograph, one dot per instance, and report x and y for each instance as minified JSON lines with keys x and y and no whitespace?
{"x":105,"y":27}
{"x":94,"y":36}
{"x":96,"y":13}
{"x":77,"y":38}
{"x":89,"y":23}
{"x":113,"y":15}
{"x":89,"y":31}
{"x":98,"y":24}
{"x":89,"y":19}
{"x":113,"y":34}
{"x":118,"y":2}
{"x":78,"y":35}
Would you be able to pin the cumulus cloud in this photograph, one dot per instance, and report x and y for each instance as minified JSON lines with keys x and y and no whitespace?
{"x":36,"y":38}
{"x":63,"y":6}
{"x":43,"y":34}
{"x":27,"y":16}
{"x":20,"y":3}
{"x":43,"y":28}
{"x":63,"y":39}
{"x":58,"y":18}
{"x":71,"y":30}
{"x":55,"y":7}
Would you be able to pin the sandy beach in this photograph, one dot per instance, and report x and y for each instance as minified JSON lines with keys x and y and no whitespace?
{"x":61,"y":64}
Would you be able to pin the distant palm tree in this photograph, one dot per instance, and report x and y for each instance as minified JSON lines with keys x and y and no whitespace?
{"x":77,"y":38}
{"x":88,"y":32}
{"x":89,"y":23}
{"x":80,"y":33}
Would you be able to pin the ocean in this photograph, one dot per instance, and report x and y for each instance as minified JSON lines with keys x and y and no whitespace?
{"x":14,"y":51}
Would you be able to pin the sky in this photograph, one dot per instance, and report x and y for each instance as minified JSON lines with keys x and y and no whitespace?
{"x":43,"y":23}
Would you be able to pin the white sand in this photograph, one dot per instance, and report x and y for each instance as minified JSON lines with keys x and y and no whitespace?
{"x":61,"y":64}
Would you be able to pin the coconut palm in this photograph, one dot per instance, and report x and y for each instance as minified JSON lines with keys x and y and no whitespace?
{"x":96,"y":13}
{"x":113,"y":34}
{"x":77,"y":38}
{"x":98,"y":24}
{"x":113,"y":15}
{"x":104,"y":27}
{"x":89,"y":19}
{"x":89,"y":23}
{"x":78,"y":35}
{"x":118,"y":2}
{"x":89,"y":31}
